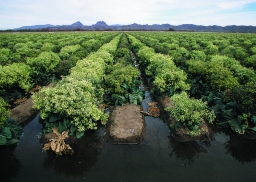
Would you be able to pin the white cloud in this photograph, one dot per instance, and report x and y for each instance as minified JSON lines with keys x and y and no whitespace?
{"x":233,"y":4}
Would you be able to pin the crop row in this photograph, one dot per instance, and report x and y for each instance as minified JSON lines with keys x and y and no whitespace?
{"x":184,"y":46}
{"x":73,"y":103}
{"x":165,"y":77}
{"x":223,"y":80}
{"x":74,"y":46}
{"x":16,"y":78}
{"x":20,"y":76}
{"x":122,"y":79}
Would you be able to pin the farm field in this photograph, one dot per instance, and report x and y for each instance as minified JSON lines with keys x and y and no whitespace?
{"x":204,"y":84}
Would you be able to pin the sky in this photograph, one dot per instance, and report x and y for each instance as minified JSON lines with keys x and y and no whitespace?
{"x":17,"y":13}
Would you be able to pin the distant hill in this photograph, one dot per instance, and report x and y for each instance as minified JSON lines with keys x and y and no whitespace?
{"x":101,"y":25}
{"x":34,"y":27}
{"x":77,"y":24}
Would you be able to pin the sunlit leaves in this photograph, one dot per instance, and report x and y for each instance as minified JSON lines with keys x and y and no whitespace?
{"x":166,"y":75}
{"x":120,"y":75}
{"x":15,"y":74}
{"x":45,"y":61}
{"x":188,"y":111}
{"x":77,"y":96}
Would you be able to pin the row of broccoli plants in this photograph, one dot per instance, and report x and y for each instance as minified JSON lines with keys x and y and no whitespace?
{"x":183,"y":46}
{"x":18,"y":78}
{"x":167,"y":79}
{"x":122,"y":78}
{"x":227,"y":86}
{"x":73,"y":103}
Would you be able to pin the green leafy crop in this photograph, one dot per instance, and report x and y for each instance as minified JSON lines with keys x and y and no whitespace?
{"x":4,"y":112}
{"x":189,"y":112}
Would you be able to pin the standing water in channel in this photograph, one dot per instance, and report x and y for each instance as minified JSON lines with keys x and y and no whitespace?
{"x":159,"y":157}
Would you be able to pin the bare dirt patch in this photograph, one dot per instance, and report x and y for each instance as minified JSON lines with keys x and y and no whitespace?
{"x":127,"y":124}
{"x":24,"y":112}
{"x":182,"y":134}
{"x":153,"y":110}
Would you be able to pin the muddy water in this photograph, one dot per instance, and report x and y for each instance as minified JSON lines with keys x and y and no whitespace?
{"x":158,"y":158}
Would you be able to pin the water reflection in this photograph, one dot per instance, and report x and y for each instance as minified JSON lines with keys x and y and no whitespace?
{"x":187,"y":151}
{"x":87,"y":150}
{"x":9,"y":164}
{"x":241,"y":148}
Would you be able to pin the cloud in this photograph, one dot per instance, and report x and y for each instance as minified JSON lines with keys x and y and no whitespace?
{"x":234,"y":4}
{"x":16,"y":13}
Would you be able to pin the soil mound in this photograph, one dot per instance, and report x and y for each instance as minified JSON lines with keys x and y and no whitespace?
{"x":127,"y":125}
{"x":24,"y":112}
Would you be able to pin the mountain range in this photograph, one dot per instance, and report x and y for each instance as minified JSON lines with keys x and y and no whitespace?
{"x":101,"y":25}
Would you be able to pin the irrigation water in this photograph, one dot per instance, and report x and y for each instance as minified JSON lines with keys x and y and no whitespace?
{"x":158,"y":158}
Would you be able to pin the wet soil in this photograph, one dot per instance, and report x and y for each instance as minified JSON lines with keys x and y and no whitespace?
{"x":127,"y":125}
{"x":24,"y":112}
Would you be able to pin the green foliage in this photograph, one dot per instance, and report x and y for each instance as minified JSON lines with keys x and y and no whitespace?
{"x":135,"y":98}
{"x":211,"y":49}
{"x":111,"y":46}
{"x":180,"y":55}
{"x":243,"y":74}
{"x":45,"y":62}
{"x":121,"y":52}
{"x":73,"y":102}
{"x":199,"y":86}
{"x":161,"y":69}
{"x":135,"y":43}
{"x":220,"y":77}
{"x":4,"y":56}
{"x":22,"y":49}
{"x":229,"y":114}
{"x":189,"y":112}
{"x":47,"y":47}
{"x":240,"y":54}
{"x":104,"y":55}
{"x":198,"y":55}
{"x":221,"y":43}
{"x":67,"y":51}
{"x":121,"y":75}
{"x":250,"y":61}
{"x":197,"y":67}
{"x":10,"y":132}
{"x":245,"y":97}
{"x":121,"y":81}
{"x":4,"y":112}
{"x":166,"y":75}
{"x":145,"y":53}
{"x":230,"y":119}
{"x":91,"y":45}
{"x":73,"y":99}
{"x":89,"y":69}
{"x":15,"y":74}
{"x":216,"y":71}
{"x":229,"y":51}
{"x":218,"y":63}
{"x":63,"y":68}
{"x":118,"y":99}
